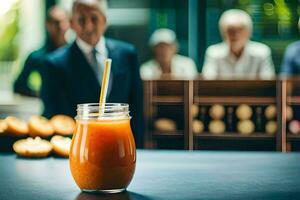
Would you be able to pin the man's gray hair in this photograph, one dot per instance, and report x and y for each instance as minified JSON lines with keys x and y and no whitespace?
{"x":101,"y":5}
{"x":235,"y":17}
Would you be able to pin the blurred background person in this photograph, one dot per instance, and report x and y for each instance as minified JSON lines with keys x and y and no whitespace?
{"x":73,"y":74}
{"x":237,"y":56}
{"x":165,"y":60}
{"x":291,"y":61}
{"x":57,"y":23}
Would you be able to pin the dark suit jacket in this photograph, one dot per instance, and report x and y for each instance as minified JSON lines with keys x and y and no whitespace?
{"x":69,"y":80}
{"x":34,"y":62}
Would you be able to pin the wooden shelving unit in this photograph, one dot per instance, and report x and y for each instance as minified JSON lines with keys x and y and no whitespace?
{"x":293,"y":138}
{"x":169,"y":100}
{"x":234,"y":136}
{"x":171,"y":93}
{"x":184,"y":93}
{"x":294,"y":100}
{"x":235,"y":100}
{"x":291,"y":98}
{"x":178,"y":134}
{"x":233,"y":93}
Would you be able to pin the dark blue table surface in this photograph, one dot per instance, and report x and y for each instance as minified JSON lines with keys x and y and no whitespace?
{"x":163,"y":175}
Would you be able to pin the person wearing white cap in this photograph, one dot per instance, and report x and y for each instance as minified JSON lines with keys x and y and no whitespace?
{"x":237,"y":56}
{"x":73,"y":74}
{"x":166,"y":60}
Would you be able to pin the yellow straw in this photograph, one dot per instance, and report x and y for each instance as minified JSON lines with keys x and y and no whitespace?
{"x":104,"y":86}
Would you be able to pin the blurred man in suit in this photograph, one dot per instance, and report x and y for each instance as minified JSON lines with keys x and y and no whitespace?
{"x":291,"y":61}
{"x":237,"y":56}
{"x":57,"y":23}
{"x":73,"y":74}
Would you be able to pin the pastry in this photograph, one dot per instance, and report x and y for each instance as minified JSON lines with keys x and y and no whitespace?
{"x":217,"y":111}
{"x":270,"y":112}
{"x":164,"y":124}
{"x":3,"y":126}
{"x":32,"y":147}
{"x":16,"y":126}
{"x":61,"y":145}
{"x":289,"y":113}
{"x":63,"y":125}
{"x":195,"y":110}
{"x":244,"y":112}
{"x":271,"y":127}
{"x":40,"y":126}
{"x":245,"y":127}
{"x":216,"y":127}
{"x":198,"y":126}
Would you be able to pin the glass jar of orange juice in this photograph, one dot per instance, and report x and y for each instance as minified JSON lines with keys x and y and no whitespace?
{"x":103,"y":152}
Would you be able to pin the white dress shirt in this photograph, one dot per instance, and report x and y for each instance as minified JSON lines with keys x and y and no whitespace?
{"x":255,"y":62}
{"x":181,"y":67}
{"x":101,"y":55}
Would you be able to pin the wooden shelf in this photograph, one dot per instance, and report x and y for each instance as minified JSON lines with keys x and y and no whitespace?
{"x":293,"y":100}
{"x":166,"y":134}
{"x":234,"y":136}
{"x":227,"y":92}
{"x":173,"y":100}
{"x":293,"y":138}
{"x":235,"y":100}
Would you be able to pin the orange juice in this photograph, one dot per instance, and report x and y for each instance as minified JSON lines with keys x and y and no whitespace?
{"x":103,"y":154}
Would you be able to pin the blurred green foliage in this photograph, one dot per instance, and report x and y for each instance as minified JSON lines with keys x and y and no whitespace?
{"x":9,"y":27}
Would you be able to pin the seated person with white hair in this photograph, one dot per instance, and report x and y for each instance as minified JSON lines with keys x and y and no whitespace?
{"x":291,"y":61}
{"x":166,"y":61}
{"x":237,"y":56}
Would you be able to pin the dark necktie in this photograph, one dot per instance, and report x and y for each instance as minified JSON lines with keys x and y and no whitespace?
{"x":96,"y":65}
{"x":98,"y":69}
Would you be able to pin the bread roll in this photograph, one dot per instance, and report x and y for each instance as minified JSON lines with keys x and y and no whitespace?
{"x":270,"y":112}
{"x":289,"y":113}
{"x":217,"y":111}
{"x":195,"y":110}
{"x":245,"y":127}
{"x":164,"y":124}
{"x":32,"y":147}
{"x":216,"y":127}
{"x":40,"y":126}
{"x":16,"y":126}
{"x":271,"y":127}
{"x":61,"y":145}
{"x":63,"y":125}
{"x":244,"y":112}
{"x":198,"y":126}
{"x":3,"y":126}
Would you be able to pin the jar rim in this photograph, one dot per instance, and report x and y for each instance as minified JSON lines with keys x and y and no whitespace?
{"x":109,"y":111}
{"x":107,"y":105}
